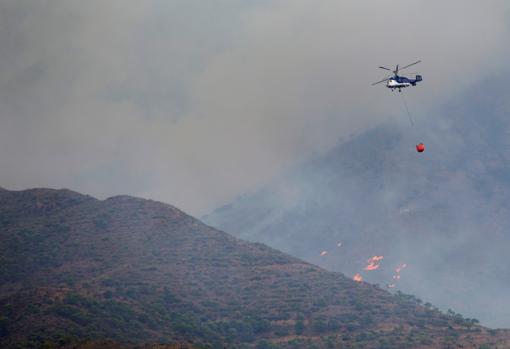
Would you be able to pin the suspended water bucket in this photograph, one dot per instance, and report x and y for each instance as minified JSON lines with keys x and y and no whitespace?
{"x":420,"y":148}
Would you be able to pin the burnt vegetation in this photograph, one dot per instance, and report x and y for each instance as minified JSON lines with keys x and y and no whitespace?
{"x":76,"y":271}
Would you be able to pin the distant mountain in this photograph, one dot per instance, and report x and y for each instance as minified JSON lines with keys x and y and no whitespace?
{"x":74,"y":269}
{"x":444,"y":212}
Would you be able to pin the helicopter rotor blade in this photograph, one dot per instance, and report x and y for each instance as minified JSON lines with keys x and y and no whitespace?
{"x":407,"y":66}
{"x":383,"y":80}
{"x":385,"y":68}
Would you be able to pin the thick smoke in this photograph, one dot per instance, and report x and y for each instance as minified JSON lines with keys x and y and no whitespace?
{"x":193,"y":103}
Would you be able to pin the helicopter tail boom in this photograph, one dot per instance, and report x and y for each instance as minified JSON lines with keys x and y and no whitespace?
{"x":417,"y":79}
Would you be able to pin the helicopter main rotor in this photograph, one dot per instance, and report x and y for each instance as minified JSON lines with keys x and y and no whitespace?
{"x":397,"y":69}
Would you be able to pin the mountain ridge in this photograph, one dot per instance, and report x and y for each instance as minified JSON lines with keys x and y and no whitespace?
{"x":137,"y":271}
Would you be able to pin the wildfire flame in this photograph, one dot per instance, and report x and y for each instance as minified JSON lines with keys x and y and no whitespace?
{"x":357,"y":278}
{"x":396,"y":277}
{"x":375,"y":259}
{"x":373,"y":263}
{"x":400,"y":267}
{"x":371,"y":267}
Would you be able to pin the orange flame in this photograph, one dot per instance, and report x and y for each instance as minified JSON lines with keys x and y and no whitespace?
{"x":357,"y":278}
{"x":371,"y":267}
{"x":396,"y":277}
{"x":373,"y":263}
{"x":375,"y":259}
{"x":400,"y":267}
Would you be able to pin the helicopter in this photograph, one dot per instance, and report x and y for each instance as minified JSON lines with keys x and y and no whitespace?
{"x":399,"y":82}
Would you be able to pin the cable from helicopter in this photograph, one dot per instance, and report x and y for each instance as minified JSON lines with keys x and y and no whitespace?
{"x":399,"y":82}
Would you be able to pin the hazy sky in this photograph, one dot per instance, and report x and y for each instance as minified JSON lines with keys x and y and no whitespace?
{"x":194,"y":102}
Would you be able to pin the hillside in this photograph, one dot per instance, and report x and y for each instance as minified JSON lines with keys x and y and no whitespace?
{"x":133,"y":271}
{"x":444,"y":212}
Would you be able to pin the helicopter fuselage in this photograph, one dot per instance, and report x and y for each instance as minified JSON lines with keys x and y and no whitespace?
{"x":402,"y":82}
